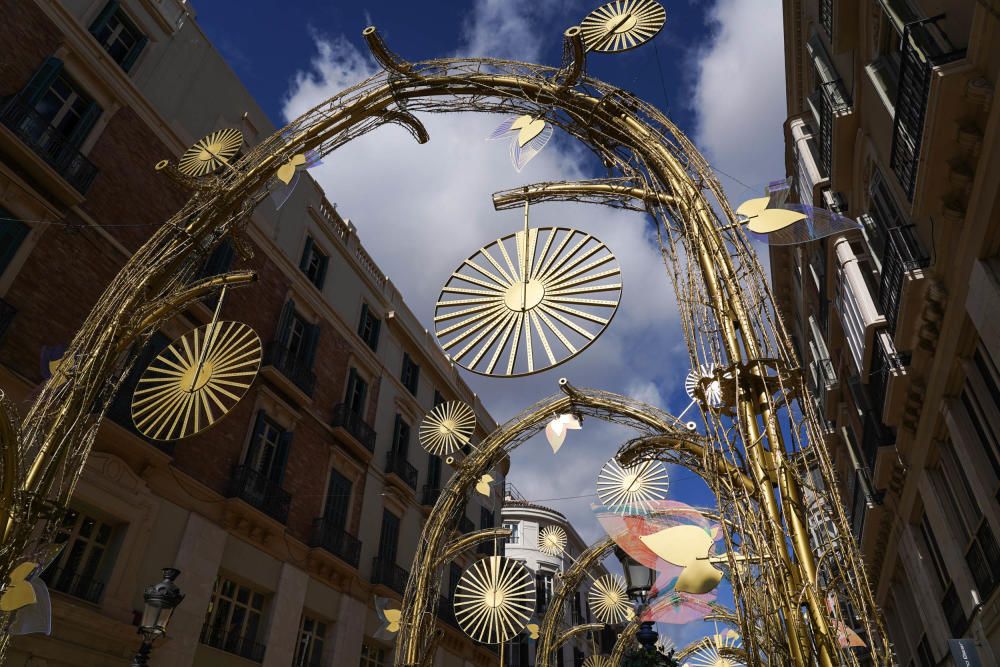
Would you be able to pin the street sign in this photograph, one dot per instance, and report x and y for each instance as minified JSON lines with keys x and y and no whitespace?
{"x":965,"y":653}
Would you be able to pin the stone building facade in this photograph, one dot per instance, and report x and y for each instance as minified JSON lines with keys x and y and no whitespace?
{"x":893,"y":121}
{"x":290,"y":516}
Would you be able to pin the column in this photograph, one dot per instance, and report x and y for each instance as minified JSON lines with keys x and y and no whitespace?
{"x":284,"y":614}
{"x":349,"y":630}
{"x":198,"y":558}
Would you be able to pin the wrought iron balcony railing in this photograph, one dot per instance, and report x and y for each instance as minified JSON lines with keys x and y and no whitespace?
{"x":901,"y":254}
{"x":256,"y":489}
{"x":826,"y":16}
{"x":886,"y":363}
{"x":292,"y":366}
{"x":230,"y":642}
{"x":924,"y":47}
{"x":430,"y":495}
{"x":355,"y":425}
{"x":70,"y":582}
{"x":397,"y":464}
{"x":48,"y":143}
{"x":389,"y":574}
{"x":333,"y":538}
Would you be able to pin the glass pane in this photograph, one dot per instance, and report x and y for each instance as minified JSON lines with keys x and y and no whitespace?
{"x":103,"y":533}
{"x":87,"y":527}
{"x":243,"y":597}
{"x":221,"y":618}
{"x":228,"y":588}
{"x":258,"y":601}
{"x":253,"y":621}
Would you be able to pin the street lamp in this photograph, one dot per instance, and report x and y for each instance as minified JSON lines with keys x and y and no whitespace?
{"x":161,"y":599}
{"x":638,"y":582}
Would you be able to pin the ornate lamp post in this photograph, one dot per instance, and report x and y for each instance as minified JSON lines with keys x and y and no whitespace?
{"x":161,"y":599}
{"x":638,"y":582}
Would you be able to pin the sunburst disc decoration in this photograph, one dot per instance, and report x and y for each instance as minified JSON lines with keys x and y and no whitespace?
{"x":609,"y":601}
{"x":598,"y":661}
{"x":196,"y":380}
{"x":494,"y":599}
{"x":548,"y":289}
{"x":552,"y":540}
{"x":448,"y":427}
{"x":631,"y":489}
{"x":211,"y":152}
{"x":622,"y":25}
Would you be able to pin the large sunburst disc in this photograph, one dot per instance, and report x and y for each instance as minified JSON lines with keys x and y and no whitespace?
{"x":494,"y":599}
{"x":622,"y":25}
{"x":528,"y":301}
{"x":552,"y":540}
{"x":609,"y":601}
{"x":196,"y":380}
{"x":598,"y":661}
{"x":448,"y":427}
{"x":632,"y":489}
{"x":211,"y":152}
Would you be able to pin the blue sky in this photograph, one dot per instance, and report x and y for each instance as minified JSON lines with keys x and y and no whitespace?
{"x":716,"y":69}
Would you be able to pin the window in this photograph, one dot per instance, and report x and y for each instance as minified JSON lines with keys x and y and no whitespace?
{"x":338,"y":501}
{"x":59,"y":105}
{"x":219,"y":261}
{"x":515,"y":532}
{"x":372,"y":655}
{"x":233,"y":619}
{"x":314,"y":263}
{"x":309,"y":649}
{"x":12,"y":234}
{"x":411,"y":374}
{"x":485,"y":518}
{"x":120,"y":410}
{"x":85,"y":560}
{"x":357,"y":391}
{"x":388,"y":541}
{"x":543,"y":591}
{"x":400,"y":439}
{"x":118,"y":35}
{"x":433,"y":471}
{"x":368,"y":327}
{"x":438,"y":398}
{"x":268,"y":451}
{"x":294,"y":350}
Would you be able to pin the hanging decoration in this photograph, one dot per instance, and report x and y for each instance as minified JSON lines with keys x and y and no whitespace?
{"x":211,"y":152}
{"x":555,"y":430}
{"x":598,"y":661}
{"x":622,"y":25}
{"x":687,"y":547}
{"x":632,"y":489}
{"x":608,"y":600}
{"x":783,"y":223}
{"x":447,"y":428}
{"x":552,"y":540}
{"x":701,"y":385}
{"x":483,"y":485}
{"x":389,"y":618}
{"x":716,"y":651}
{"x":528,"y":136}
{"x":494,"y":599}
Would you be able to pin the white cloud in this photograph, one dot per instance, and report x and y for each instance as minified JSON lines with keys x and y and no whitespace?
{"x":739,"y":94}
{"x":421,"y":209}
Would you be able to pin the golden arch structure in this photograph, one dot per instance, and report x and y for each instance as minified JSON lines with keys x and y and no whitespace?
{"x":758,"y":454}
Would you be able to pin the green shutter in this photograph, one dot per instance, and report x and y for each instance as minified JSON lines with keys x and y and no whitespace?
{"x":41,"y":81}
{"x":285,"y":322}
{"x":86,"y":124}
{"x":105,"y":16}
{"x":338,"y":497}
{"x":255,"y":437}
{"x":134,"y":52}
{"x":312,"y":341}
{"x":321,"y":278}
{"x":364,"y":318}
{"x":281,"y":457}
{"x":306,"y":252}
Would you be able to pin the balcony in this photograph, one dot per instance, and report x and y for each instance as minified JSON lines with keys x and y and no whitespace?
{"x":354,"y":426}
{"x":337,"y":541}
{"x":924,"y":46}
{"x":859,"y":315}
{"x":258,"y":491}
{"x":48,"y":144}
{"x":290,"y":366}
{"x":396,"y":464}
{"x":7,"y":313}
{"x":390,"y":575}
{"x":901,"y":254}
{"x":245,"y":647}
{"x":430,"y":495}
{"x":68,"y":581}
{"x":887,"y":364}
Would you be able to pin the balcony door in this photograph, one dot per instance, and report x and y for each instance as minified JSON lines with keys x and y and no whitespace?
{"x":268,"y":451}
{"x":400,"y":439}
{"x":388,"y":542}
{"x":338,"y":500}
{"x":357,"y":392}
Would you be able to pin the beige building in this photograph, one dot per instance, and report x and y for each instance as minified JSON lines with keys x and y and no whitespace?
{"x":306,"y":503}
{"x":893,"y":120}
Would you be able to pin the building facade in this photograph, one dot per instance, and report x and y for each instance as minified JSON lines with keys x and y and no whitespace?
{"x":526,"y":521}
{"x":893,"y":121}
{"x":290,"y":516}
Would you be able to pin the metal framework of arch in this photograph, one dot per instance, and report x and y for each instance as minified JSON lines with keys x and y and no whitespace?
{"x":727,"y":315}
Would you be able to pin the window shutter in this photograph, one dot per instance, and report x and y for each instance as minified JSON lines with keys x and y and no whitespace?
{"x":255,"y":438}
{"x":86,"y":124}
{"x":396,"y":429}
{"x":388,"y":538}
{"x":134,"y":52}
{"x":414,"y":377}
{"x":352,"y":383}
{"x":105,"y":16}
{"x":285,"y":322}
{"x":376,"y":327}
{"x":433,"y":471}
{"x":306,"y":252}
{"x":364,"y":319}
{"x":12,"y":234}
{"x":281,"y":458}
{"x":312,"y":340}
{"x":321,"y":278}
{"x":41,"y":81}
{"x":337,"y":500}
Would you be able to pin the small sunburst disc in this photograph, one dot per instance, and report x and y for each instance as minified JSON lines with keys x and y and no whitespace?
{"x":211,"y":152}
{"x":598,"y":661}
{"x":528,"y":301}
{"x":196,"y":380}
{"x":494,"y":599}
{"x":609,"y":601}
{"x":622,"y":25}
{"x":552,"y":540}
{"x":448,"y":427}
{"x":632,"y":489}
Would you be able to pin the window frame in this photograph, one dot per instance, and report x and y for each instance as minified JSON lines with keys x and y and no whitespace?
{"x":410,"y":374}
{"x":314,"y":263}
{"x":369,"y":327}
{"x":249,"y":610}
{"x":113,"y":11}
{"x":304,"y":657}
